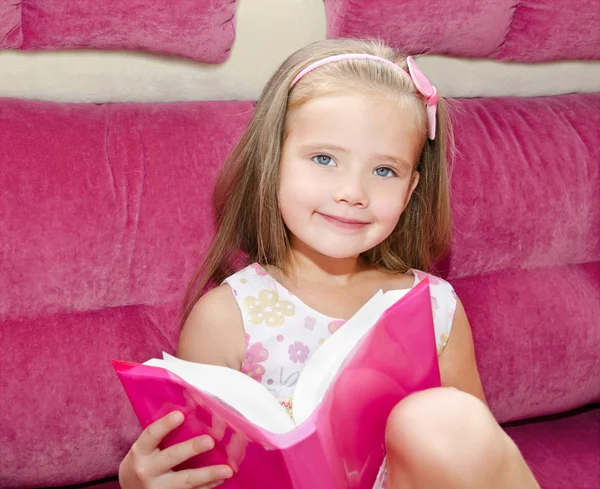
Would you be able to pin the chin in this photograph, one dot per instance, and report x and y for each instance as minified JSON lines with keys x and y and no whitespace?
{"x":336,"y":245}
{"x":333,"y":250}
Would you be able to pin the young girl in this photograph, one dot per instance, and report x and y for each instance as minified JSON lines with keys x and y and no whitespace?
{"x":338,"y":188}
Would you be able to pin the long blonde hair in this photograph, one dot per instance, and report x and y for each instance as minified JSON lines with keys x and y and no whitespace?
{"x":248,"y":224}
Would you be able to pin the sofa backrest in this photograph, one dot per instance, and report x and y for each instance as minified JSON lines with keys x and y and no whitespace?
{"x":525,"y":256}
{"x":105,"y":211}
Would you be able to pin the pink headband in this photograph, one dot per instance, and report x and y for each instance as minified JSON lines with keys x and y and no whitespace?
{"x":415,"y":75}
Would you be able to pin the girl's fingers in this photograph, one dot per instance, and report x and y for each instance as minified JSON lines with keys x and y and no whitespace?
{"x":163,"y":461}
{"x":204,"y":478}
{"x":171,"y":457}
{"x":150,"y":438}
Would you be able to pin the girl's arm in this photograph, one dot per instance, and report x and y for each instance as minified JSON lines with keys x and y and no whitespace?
{"x":214,"y":332}
{"x":457,"y":361}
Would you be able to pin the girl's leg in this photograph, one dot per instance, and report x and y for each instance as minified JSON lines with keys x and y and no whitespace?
{"x":446,"y":439}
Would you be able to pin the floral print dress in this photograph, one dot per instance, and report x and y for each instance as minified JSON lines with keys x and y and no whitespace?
{"x":282,"y":332}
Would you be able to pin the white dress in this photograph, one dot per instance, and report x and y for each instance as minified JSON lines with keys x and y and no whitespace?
{"x":282,"y":332}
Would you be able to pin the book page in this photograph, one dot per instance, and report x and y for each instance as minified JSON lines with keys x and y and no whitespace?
{"x":322,"y":367}
{"x":242,"y":393}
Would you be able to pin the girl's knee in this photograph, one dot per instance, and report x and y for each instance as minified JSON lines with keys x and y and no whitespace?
{"x":444,"y":437}
{"x":439,"y":424}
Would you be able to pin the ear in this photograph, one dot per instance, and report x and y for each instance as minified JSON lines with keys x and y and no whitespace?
{"x":414,"y":181}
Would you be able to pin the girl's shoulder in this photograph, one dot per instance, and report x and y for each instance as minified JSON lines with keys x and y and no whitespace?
{"x":251,"y":277}
{"x":213,"y":332}
{"x":443,"y":305}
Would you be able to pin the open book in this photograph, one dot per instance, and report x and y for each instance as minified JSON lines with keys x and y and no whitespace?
{"x":341,"y":402}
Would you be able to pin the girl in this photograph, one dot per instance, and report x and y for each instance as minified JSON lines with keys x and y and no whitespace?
{"x":338,"y":188}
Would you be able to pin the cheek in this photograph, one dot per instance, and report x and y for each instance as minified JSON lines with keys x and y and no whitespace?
{"x":388,"y":206}
{"x":297,"y":186}
{"x":292,"y":199}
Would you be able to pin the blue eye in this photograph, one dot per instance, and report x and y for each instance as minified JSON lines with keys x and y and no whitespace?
{"x":385,"y":172}
{"x":323,"y":160}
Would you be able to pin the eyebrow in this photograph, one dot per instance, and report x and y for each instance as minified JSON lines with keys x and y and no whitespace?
{"x":333,"y":147}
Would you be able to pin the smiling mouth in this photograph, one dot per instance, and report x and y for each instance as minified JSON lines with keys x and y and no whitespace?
{"x":342,"y":222}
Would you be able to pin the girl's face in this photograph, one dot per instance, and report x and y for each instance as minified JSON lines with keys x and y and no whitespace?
{"x":346,"y":172}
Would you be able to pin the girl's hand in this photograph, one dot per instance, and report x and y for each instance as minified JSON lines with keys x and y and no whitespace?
{"x":147,"y":467}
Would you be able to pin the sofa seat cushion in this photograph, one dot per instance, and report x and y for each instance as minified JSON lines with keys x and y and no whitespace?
{"x":562,"y":450}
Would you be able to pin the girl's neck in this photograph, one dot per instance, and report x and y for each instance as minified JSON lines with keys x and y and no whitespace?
{"x":309,"y":266}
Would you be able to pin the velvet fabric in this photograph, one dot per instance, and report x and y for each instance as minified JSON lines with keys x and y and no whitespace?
{"x":104,"y":213}
{"x":519,"y":201}
{"x":536,"y":333}
{"x":10,"y":24}
{"x":562,"y":450}
{"x":523,"y":30}
{"x":203,"y":31}
{"x":522,"y":203}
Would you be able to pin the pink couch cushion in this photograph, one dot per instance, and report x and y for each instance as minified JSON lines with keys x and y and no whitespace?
{"x":562,"y":451}
{"x":105,"y":212}
{"x":526,"y":187}
{"x":527,"y":30}
{"x":536,"y":334}
{"x":121,"y":195}
{"x":203,"y":31}
{"x":11,"y":35}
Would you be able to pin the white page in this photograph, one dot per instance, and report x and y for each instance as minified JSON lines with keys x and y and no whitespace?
{"x":326,"y":361}
{"x":242,"y":393}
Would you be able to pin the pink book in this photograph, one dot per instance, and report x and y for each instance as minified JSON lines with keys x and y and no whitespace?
{"x":335,"y":439}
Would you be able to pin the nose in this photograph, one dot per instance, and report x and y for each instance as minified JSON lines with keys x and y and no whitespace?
{"x":352,"y":190}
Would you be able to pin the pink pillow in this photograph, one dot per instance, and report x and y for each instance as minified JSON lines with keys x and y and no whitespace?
{"x":534,"y":30}
{"x":10,"y":24}
{"x":202,"y":31}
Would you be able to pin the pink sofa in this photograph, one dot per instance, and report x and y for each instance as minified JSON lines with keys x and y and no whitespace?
{"x":105,"y":211}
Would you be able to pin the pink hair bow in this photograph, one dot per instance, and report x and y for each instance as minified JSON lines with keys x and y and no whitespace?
{"x":429,"y":92}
